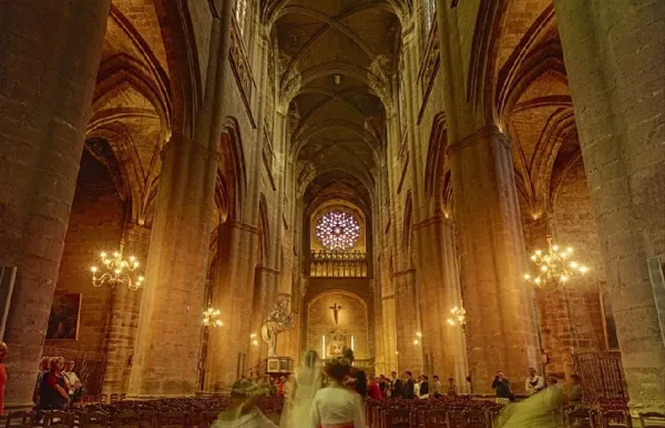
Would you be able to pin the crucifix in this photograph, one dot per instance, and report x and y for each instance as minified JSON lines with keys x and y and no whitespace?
{"x":335,"y":308}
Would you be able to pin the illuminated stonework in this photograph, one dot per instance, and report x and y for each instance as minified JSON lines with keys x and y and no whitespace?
{"x":337,"y":231}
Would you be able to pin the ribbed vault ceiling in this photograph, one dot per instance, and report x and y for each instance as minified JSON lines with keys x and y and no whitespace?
{"x":337,"y":63}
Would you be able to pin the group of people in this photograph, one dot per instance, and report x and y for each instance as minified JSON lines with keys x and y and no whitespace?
{"x":409,"y":388}
{"x":315,"y":397}
{"x":535,"y":383}
{"x":57,"y":385}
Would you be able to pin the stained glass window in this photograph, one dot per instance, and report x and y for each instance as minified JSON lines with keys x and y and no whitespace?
{"x":337,"y":231}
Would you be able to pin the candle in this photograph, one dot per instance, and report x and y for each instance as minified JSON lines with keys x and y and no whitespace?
{"x":323,"y":346}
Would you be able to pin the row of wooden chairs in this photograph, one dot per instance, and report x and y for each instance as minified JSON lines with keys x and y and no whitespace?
{"x":65,"y":419}
{"x":432,"y":413}
{"x":586,"y":418}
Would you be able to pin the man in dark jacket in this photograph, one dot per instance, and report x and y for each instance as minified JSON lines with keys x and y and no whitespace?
{"x":502,"y":386}
{"x":408,"y":385}
{"x":396,"y":386}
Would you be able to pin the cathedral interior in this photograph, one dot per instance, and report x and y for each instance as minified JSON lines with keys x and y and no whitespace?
{"x":449,"y":187}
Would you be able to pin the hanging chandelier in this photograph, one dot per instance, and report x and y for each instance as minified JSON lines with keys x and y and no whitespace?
{"x":458,"y":317}
{"x":116,"y":271}
{"x":554,"y":266}
{"x":211,"y":318}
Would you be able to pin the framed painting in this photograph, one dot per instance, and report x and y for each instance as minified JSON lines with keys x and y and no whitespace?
{"x":63,"y":324}
{"x":609,"y":325}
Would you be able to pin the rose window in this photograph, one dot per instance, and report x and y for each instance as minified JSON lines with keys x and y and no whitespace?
{"x":337,"y":231}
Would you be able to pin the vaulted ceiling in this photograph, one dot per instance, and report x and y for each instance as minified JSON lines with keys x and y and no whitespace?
{"x":337,"y":62}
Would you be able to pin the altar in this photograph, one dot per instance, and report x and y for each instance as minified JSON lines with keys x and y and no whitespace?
{"x":334,"y":343}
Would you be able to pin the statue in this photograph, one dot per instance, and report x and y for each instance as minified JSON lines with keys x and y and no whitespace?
{"x":279,"y":319}
{"x":336,"y":308}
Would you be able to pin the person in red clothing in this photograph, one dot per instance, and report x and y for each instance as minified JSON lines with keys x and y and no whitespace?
{"x":374,"y":390}
{"x":4,"y":350}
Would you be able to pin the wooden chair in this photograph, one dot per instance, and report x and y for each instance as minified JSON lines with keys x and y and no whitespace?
{"x":132,"y":420}
{"x":652,"y":420}
{"x":616,"y":419}
{"x":398,"y":418}
{"x":455,"y":418}
{"x":171,"y":420}
{"x":208,"y":417}
{"x":578,"y":418}
{"x":436,"y":419}
{"x":18,"y":419}
{"x":59,"y":419}
{"x":94,"y":420}
{"x":476,"y":419}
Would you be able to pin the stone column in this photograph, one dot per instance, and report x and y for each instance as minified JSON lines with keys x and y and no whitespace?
{"x":501,"y":332}
{"x":233,"y":290}
{"x":614,"y":61}
{"x":166,"y":350}
{"x":264,"y":298}
{"x":410,"y":355}
{"x":125,"y":305}
{"x":438,"y":274}
{"x":49,"y":56}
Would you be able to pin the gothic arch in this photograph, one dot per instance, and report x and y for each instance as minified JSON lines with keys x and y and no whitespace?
{"x":408,"y":222}
{"x":264,"y":258}
{"x":232,"y":176}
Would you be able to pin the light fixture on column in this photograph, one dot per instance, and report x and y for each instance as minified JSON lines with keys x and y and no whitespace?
{"x":252,"y":339}
{"x":458,"y":317}
{"x":554,"y":266}
{"x":211,"y":318}
{"x":116,"y":271}
{"x":418,"y":338}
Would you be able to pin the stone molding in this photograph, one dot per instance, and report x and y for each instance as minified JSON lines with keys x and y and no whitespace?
{"x":269,"y":270}
{"x":244,"y":226}
{"x":183,"y":140}
{"x":431,"y":221}
{"x":410,"y":271}
{"x":486,"y":133}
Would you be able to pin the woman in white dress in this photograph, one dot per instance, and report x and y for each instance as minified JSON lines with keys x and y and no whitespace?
{"x":336,"y":406}
{"x":300,"y":392}
{"x":247,"y":415}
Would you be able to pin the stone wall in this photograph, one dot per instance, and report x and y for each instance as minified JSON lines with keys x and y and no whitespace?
{"x":571,"y":319}
{"x":352,"y":320}
{"x":95,"y":224}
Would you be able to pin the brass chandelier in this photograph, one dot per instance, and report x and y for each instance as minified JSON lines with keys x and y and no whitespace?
{"x":554,"y":266}
{"x":211,"y":318}
{"x":458,"y":317}
{"x":116,"y":271}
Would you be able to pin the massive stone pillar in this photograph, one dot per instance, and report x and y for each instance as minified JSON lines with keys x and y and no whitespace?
{"x":409,"y":354}
{"x":614,"y":61}
{"x":125,"y":305}
{"x":233,"y":284}
{"x":265,"y":294}
{"x":49,"y":56}
{"x":438,"y":276}
{"x":166,"y":350}
{"x":501,"y":332}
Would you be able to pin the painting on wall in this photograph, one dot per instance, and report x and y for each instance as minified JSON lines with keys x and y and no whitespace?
{"x":609,"y":325}
{"x":63,"y":323}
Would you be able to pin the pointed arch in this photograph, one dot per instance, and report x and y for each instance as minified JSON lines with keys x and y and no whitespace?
{"x":264,"y":233}
{"x":232,"y":174}
{"x":408,"y":222}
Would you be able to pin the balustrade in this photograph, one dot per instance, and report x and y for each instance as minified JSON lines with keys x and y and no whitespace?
{"x":338,"y":264}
